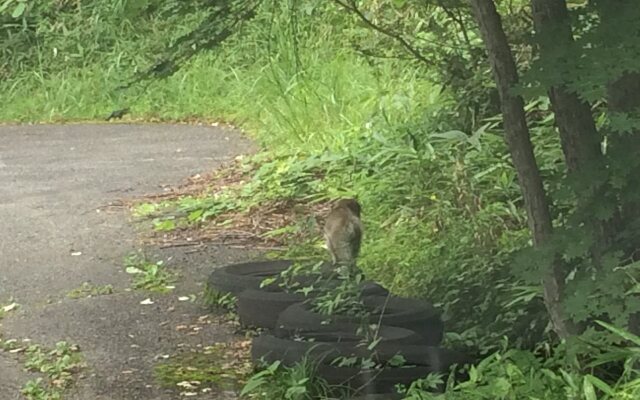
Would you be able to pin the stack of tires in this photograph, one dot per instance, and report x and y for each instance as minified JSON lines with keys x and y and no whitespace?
{"x":407,"y":333}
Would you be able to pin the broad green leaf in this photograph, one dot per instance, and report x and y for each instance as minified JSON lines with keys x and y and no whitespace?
{"x":267,"y":281}
{"x":397,"y":360}
{"x":134,"y":270}
{"x":600,"y":384}
{"x":195,"y":215}
{"x":454,"y":136}
{"x":19,"y":10}
{"x":251,"y":385}
{"x":588,"y":390}
{"x":626,"y":335}
{"x":473,"y":374}
{"x":164,"y":225}
{"x":5,"y":5}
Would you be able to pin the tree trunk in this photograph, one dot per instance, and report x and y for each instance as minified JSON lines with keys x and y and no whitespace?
{"x":619,"y":31}
{"x":624,"y":93}
{"x":521,"y":149}
{"x":578,"y":134}
{"x":623,"y":96}
{"x":579,"y":137}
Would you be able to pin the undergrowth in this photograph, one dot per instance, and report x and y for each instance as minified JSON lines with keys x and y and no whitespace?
{"x":276,"y":381}
{"x":442,"y":211}
{"x":88,"y":289}
{"x":57,"y":368}
{"x":148,"y":275}
{"x":441,"y":205}
{"x":212,"y":367}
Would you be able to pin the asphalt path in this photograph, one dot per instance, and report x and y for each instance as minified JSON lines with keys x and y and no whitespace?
{"x":56,"y":234}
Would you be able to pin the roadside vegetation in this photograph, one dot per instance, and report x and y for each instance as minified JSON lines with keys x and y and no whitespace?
{"x":393,"y":102}
{"x":88,"y":289}
{"x":148,"y":275}
{"x":56,"y":368}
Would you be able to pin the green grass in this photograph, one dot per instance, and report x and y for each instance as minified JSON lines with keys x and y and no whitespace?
{"x":325,"y":107}
{"x":201,"y":371}
{"x":88,"y":289}
{"x":321,"y":98}
{"x":299,"y":381}
{"x":443,"y":216}
{"x":212,"y":298}
{"x":334,"y":124}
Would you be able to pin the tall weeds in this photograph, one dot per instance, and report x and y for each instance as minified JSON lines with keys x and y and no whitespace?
{"x":441,"y":209}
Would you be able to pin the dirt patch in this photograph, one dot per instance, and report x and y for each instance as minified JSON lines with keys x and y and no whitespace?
{"x":252,"y":228}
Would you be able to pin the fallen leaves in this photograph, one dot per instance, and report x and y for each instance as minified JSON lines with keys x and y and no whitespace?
{"x":10,"y":307}
{"x":197,"y":371}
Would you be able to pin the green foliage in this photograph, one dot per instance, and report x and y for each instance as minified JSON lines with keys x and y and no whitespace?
{"x":214,"y":299}
{"x":164,"y":225}
{"x":57,"y":365}
{"x":89,"y":290}
{"x":145,"y":209}
{"x":344,"y":113}
{"x":343,"y":298}
{"x":147,"y":275}
{"x":195,"y":371}
{"x":288,"y":383}
{"x":35,"y":389}
{"x":330,"y":291}
{"x":561,"y":374}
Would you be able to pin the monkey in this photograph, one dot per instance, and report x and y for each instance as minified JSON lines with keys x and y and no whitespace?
{"x":343,"y":232}
{"x":118,"y":114}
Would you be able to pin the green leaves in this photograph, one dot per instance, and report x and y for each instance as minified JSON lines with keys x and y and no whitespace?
{"x":148,"y":275}
{"x":399,"y":3}
{"x":58,"y":365}
{"x":590,"y":383}
{"x":164,"y":225}
{"x":620,"y":332}
{"x":276,"y":381}
{"x":18,"y":10}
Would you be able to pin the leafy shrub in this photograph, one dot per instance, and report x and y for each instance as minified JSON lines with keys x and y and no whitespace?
{"x":288,"y":383}
{"x":576,"y":370}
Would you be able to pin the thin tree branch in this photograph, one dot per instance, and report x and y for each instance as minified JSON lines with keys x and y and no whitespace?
{"x":457,"y":19}
{"x":411,"y":49}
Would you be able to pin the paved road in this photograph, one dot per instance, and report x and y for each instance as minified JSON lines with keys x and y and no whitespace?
{"x":52,"y":181}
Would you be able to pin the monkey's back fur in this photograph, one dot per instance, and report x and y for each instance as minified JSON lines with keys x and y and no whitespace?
{"x":343,"y":232}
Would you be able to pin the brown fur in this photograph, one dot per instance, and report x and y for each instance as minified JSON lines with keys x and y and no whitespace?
{"x":343,"y":232}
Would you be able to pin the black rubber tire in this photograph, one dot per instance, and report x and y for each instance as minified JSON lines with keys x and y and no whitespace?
{"x":383,"y":396}
{"x":373,"y":381}
{"x":345,"y":327}
{"x":269,"y":348}
{"x":367,"y":288}
{"x":370,"y":288}
{"x":326,"y":346}
{"x":438,"y":359}
{"x":414,"y":315}
{"x":261,"y":308}
{"x":236,"y":278}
